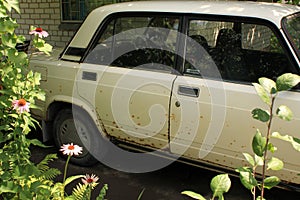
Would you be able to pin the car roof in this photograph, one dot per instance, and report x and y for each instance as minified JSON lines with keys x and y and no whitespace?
{"x":272,"y":12}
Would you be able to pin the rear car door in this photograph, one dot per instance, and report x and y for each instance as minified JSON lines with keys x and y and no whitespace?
{"x":212,"y":102}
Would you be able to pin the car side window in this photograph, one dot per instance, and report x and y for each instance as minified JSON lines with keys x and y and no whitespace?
{"x":234,"y":51}
{"x":203,"y":47}
{"x":141,"y":42}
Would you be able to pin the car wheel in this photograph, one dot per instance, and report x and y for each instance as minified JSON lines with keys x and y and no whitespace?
{"x":75,"y":126}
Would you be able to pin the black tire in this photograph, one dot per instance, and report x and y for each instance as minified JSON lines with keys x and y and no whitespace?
{"x":73,"y":125}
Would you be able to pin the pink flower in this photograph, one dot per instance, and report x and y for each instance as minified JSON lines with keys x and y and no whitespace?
{"x":20,"y":105}
{"x":70,"y":149}
{"x":90,"y":180}
{"x":40,"y":32}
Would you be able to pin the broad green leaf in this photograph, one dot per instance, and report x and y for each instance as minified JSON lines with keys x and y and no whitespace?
{"x":46,"y":48}
{"x":260,"y":115}
{"x":193,"y":195}
{"x":3,"y":13}
{"x":258,"y":160}
{"x":248,"y":180}
{"x":19,"y":58}
{"x":268,"y":84}
{"x":271,"y":181}
{"x":14,"y":115}
{"x":259,"y":143}
{"x":287,"y":81}
{"x":8,"y":40}
{"x":249,"y":158}
{"x":284,"y":112}
{"x":275,"y":164}
{"x":8,"y":26}
{"x":295,"y":142}
{"x":9,"y":4}
{"x":220,"y":184}
{"x":37,"y":78}
{"x":262,"y":93}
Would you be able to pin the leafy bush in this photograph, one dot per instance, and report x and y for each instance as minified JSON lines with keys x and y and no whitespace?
{"x":268,"y":90}
{"x":19,"y":89}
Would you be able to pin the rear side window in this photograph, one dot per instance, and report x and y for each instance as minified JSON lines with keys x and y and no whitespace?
{"x":142,"y":42}
{"x":234,"y":51}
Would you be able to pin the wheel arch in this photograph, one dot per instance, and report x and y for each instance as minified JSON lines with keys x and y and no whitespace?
{"x":61,"y":103}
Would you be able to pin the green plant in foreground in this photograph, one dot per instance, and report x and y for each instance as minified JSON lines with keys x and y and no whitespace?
{"x":19,"y":89}
{"x":268,"y":90}
{"x":81,"y":191}
{"x":220,"y":184}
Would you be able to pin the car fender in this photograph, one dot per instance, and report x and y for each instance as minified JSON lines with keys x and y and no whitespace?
{"x":57,"y":102}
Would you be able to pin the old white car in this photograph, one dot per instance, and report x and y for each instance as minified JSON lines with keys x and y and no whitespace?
{"x":173,"y":79}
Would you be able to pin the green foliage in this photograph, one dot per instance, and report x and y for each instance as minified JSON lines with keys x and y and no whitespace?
{"x":283,"y":112}
{"x":102,"y":193}
{"x":287,"y":81}
{"x":263,"y":93}
{"x":19,"y":177}
{"x":268,"y":90}
{"x":48,"y":173}
{"x":247,"y":178}
{"x":259,"y":143}
{"x":80,"y":191}
{"x":295,"y":142}
{"x":83,"y":191}
{"x":219,"y":185}
{"x":193,"y":195}
{"x":275,"y":164}
{"x":260,"y":115}
{"x":141,"y":194}
{"x":19,"y":90}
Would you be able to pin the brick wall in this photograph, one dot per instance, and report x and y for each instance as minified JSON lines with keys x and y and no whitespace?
{"x":47,"y":15}
{"x":44,"y":13}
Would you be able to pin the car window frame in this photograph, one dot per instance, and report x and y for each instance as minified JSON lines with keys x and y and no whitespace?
{"x":283,"y":24}
{"x":113,"y":16}
{"x":184,"y":19}
{"x":242,"y":19}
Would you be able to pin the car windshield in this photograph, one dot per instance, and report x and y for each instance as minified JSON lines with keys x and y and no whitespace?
{"x":291,"y":25}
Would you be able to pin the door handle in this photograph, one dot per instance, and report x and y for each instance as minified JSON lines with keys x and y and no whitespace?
{"x":188,"y":91}
{"x":90,"y":76}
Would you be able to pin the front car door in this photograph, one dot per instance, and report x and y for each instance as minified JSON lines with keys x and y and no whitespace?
{"x":212,"y":102}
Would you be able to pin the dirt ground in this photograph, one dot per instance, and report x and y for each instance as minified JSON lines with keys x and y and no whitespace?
{"x":163,"y":184}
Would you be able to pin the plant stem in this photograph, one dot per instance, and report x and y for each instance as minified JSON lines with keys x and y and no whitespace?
{"x":89,"y":191}
{"x":266,"y":149}
{"x":66,"y":167}
{"x":254,"y":188}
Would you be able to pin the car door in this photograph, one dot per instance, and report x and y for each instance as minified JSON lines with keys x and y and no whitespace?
{"x":131,"y":68}
{"x":211,"y":103}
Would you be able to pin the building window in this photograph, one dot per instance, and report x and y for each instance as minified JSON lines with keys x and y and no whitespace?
{"x":77,"y":10}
